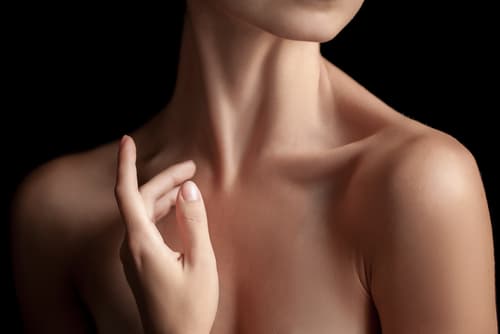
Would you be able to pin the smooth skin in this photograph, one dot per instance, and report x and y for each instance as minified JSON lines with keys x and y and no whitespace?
{"x":326,"y":210}
{"x":176,"y":293}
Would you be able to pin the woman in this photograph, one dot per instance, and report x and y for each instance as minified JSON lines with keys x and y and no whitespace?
{"x":313,"y":207}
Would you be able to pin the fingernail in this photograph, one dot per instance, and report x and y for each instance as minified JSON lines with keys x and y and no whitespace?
{"x":190,"y":191}
{"x":124,"y":138}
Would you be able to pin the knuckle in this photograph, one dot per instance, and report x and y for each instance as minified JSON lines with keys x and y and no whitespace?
{"x":133,"y":246}
{"x":168,"y":179}
{"x":119,"y":191}
{"x":191,"y":219}
{"x":138,"y":246}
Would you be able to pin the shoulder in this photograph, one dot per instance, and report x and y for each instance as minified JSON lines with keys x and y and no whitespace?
{"x":426,"y":165}
{"x":405,"y":163}
{"x":433,"y":180}
{"x":410,"y":157}
{"x":53,"y":200}
{"x":416,"y":176}
{"x":429,"y":229}
{"x":39,"y":196}
{"x":50,"y":216}
{"x":429,"y":159}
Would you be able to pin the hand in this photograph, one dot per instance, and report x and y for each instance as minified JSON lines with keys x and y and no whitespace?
{"x":176,"y":293}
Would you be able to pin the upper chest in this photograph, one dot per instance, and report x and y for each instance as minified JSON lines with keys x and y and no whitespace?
{"x":284,"y":260}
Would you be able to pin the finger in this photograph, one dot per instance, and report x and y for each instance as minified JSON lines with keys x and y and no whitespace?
{"x":167,"y":180}
{"x":164,"y":204}
{"x":193,"y":225}
{"x":126,"y":191}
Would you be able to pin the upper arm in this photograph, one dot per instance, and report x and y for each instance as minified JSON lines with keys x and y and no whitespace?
{"x":433,"y":267}
{"x":47,"y":301}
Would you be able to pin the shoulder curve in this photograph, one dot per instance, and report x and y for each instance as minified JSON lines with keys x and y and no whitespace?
{"x":429,"y":180}
{"x":408,"y":144}
{"x":431,"y":161}
{"x":433,"y":226}
{"x":52,"y":195}
{"x":45,"y":242}
{"x":37,"y":198}
{"x":421,"y":161}
{"x":417,"y":171}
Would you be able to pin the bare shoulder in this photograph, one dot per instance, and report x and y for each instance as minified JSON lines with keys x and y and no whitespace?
{"x":404,"y":155}
{"x":53,"y":210}
{"x":419,"y":220}
{"x":408,"y":153}
{"x":412,"y":161}
{"x":411,"y":168}
{"x":420,"y":203}
{"x":55,"y":199}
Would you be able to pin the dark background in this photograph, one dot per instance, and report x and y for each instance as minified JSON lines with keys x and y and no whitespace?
{"x":81,"y":75}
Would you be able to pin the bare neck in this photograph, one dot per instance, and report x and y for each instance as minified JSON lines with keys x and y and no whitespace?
{"x":242,"y":92}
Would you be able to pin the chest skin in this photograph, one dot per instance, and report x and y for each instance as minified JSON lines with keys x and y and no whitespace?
{"x":284,"y":260}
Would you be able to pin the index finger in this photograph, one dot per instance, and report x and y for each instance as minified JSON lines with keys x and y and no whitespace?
{"x":126,"y":189}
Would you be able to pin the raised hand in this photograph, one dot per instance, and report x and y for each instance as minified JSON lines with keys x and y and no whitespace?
{"x":176,"y":293}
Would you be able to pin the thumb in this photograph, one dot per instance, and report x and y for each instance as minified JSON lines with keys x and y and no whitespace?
{"x":193,"y":225}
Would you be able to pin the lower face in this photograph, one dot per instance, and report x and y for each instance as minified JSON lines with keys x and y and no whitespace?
{"x":308,"y":20}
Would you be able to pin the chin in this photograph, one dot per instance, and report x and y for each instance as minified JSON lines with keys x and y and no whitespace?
{"x":303,"y":25}
{"x":306,"y":20}
{"x":317,"y":32}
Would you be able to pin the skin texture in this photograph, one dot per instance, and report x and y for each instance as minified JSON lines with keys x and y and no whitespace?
{"x":327,"y":211}
{"x":175,"y":293}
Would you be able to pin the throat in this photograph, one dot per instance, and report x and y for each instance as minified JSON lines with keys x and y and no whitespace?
{"x":243,"y":93}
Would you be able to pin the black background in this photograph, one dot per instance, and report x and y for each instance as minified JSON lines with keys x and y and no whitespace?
{"x":80,"y":75}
